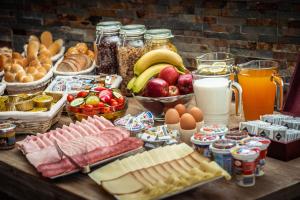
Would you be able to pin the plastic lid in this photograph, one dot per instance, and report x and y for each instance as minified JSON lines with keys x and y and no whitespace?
{"x":158,"y":34}
{"x":109,"y":26}
{"x":6,"y":127}
{"x":218,"y":129}
{"x":224,"y":144}
{"x":260,"y":142}
{"x":200,"y":139}
{"x":133,"y":30}
{"x":245,"y":152}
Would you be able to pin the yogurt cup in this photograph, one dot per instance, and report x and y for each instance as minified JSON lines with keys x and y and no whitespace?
{"x":221,"y":153}
{"x":216,"y":129}
{"x":244,"y":163}
{"x":237,"y":135}
{"x":201,"y":143}
{"x":262,"y":144}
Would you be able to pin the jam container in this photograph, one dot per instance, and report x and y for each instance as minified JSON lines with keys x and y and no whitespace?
{"x":201,"y":143}
{"x":221,"y":153}
{"x":129,"y":51}
{"x":106,"y":47}
{"x":244,"y":164}
{"x":237,"y":135}
{"x":262,"y":144}
{"x":7,"y":136}
{"x":159,"y":39}
{"x":215,"y":129}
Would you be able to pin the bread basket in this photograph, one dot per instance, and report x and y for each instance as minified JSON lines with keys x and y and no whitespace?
{"x":87,"y":71}
{"x":30,"y":87}
{"x":34,"y":122}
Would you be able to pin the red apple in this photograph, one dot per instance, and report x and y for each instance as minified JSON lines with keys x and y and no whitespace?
{"x":157,"y":87}
{"x":185,"y":83}
{"x":169,"y":74}
{"x":173,"y":90}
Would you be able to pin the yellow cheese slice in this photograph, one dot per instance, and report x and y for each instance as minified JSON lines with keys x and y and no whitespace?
{"x":159,"y":168}
{"x":155,"y":174}
{"x":123,"y":185}
{"x":191,"y":161}
{"x":147,"y":177}
{"x":141,"y":179}
{"x":183,"y":150}
{"x":183,"y":164}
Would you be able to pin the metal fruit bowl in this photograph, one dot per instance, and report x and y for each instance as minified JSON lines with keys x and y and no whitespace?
{"x":157,"y":105}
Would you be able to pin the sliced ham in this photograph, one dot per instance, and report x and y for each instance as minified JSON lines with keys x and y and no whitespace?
{"x":97,"y":123}
{"x":66,"y":133}
{"x":79,"y":129}
{"x":67,"y":128}
{"x":104,"y":121}
{"x":87,"y":128}
{"x":91,"y":125}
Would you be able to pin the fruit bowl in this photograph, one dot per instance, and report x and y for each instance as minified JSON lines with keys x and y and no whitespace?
{"x":158,"y":105}
{"x":110,"y":112}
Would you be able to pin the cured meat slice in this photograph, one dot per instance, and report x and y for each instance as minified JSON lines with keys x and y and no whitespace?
{"x":67,"y":128}
{"x":40,"y":142}
{"x":104,"y":121}
{"x":79,"y":129}
{"x":97,"y":123}
{"x":45,"y":139}
{"x":30,"y":146}
{"x":87,"y":128}
{"x":67,"y":134}
{"x":60,"y":136}
{"x":91,"y":125}
{"x":74,"y":131}
{"x":121,"y":131}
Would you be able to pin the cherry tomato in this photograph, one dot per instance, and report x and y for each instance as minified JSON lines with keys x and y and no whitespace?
{"x":70,"y":98}
{"x":121,"y":100}
{"x":82,"y":94}
{"x":105,"y":110}
{"x":99,"y":105}
{"x":114,"y":103}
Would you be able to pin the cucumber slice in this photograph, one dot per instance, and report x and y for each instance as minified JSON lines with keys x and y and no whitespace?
{"x":77,"y":102}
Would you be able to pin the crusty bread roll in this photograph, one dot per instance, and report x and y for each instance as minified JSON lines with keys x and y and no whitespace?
{"x":42,"y":69}
{"x":9,"y":76}
{"x":46,"y":38}
{"x":31,"y":70}
{"x":32,"y":50}
{"x":33,"y":38}
{"x":16,"y":68}
{"x":55,"y":47}
{"x":45,"y":59}
{"x":27,"y":78}
{"x":90,"y":54}
{"x":38,"y":76}
{"x":47,"y":66}
{"x":20,"y":75}
{"x":71,"y":51}
{"x":35,"y":63}
{"x":16,"y":55}
{"x":7,"y":67}
{"x":82,"y":47}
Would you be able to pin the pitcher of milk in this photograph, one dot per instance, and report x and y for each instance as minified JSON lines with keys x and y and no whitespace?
{"x":213,"y":87}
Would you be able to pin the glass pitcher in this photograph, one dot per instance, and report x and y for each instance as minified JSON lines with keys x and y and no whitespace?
{"x":213,"y":87}
{"x":259,"y":80}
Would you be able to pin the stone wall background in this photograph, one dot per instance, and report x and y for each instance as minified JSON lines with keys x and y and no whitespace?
{"x":266,"y":29}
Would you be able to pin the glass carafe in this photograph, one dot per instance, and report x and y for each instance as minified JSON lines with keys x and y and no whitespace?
{"x":213,"y":87}
{"x":259,"y":80}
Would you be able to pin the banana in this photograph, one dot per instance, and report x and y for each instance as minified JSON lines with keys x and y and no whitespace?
{"x":131,"y":83}
{"x":158,"y":56}
{"x":142,"y":79}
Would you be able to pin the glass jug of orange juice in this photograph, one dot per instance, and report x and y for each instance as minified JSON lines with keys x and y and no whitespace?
{"x":259,"y":81}
{"x":213,"y":87}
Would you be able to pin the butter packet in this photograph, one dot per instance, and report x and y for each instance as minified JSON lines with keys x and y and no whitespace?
{"x":291,"y":123}
{"x":275,"y":118}
{"x":252,"y":126}
{"x":272,"y":132}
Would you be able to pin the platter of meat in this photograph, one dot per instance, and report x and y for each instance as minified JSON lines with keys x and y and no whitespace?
{"x":77,"y":147}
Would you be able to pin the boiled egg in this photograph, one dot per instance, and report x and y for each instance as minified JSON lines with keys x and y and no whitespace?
{"x":187,"y":122}
{"x":181,"y":109}
{"x":172,"y":116}
{"x":196,"y":113}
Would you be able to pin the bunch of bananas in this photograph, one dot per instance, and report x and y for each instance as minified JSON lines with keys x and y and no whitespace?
{"x":150,"y":64}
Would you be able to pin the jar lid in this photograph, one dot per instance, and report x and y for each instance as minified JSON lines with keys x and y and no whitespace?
{"x":6,"y":127}
{"x":158,"y":34}
{"x":133,"y":30}
{"x":109,"y":26}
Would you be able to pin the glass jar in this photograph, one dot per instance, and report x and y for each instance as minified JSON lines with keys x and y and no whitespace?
{"x":130,"y":50}
{"x":159,"y":38}
{"x":107,"y":41}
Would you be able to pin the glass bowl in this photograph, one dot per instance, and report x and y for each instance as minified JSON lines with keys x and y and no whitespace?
{"x":111,"y":112}
{"x":158,"y":105}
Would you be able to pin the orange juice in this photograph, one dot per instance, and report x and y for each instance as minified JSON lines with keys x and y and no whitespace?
{"x":259,"y":91}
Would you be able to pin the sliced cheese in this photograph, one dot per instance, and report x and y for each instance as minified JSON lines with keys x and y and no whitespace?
{"x":159,"y":168}
{"x":123,"y":185}
{"x":183,"y":150}
{"x":147,"y":176}
{"x":191,"y":161}
{"x":141,"y":179}
{"x":183,"y":164}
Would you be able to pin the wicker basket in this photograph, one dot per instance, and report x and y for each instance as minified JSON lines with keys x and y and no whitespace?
{"x":31,"y":87}
{"x":34,"y":122}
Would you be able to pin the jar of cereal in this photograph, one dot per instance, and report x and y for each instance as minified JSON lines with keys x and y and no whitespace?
{"x":159,"y":38}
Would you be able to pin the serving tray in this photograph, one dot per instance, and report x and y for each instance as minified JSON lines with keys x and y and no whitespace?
{"x":125,"y":154}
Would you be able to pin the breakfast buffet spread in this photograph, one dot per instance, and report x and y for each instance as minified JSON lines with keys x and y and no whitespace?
{"x":171,"y":147}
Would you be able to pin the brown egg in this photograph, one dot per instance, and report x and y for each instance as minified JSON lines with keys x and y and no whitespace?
{"x":180,"y":109}
{"x":197,"y":114}
{"x":172,"y":116}
{"x":187,"y":122}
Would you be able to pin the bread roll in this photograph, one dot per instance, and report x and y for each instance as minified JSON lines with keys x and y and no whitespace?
{"x":32,"y":50}
{"x":46,"y":38}
{"x":31,"y":70}
{"x":47,"y":66}
{"x":55,"y":47}
{"x":27,"y":78}
{"x":16,"y":68}
{"x":35,"y":63}
{"x":20,"y":75}
{"x":23,"y":62}
{"x":16,"y":55}
{"x":82,"y":47}
{"x":7,"y":67}
{"x":71,"y":51}
{"x":33,"y":38}
{"x":38,"y":76}
{"x":9,"y":77}
{"x":90,"y":54}
{"x":42,"y":69}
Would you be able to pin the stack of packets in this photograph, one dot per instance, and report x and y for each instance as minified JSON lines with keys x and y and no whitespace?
{"x":277,"y":127}
{"x":159,"y":136}
{"x":136,"y":124}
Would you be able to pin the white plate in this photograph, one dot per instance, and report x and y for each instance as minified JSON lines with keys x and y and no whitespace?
{"x":128,"y":153}
{"x":83,"y":72}
{"x":53,"y":58}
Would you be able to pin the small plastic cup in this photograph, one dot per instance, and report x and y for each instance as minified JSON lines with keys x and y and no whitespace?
{"x":201,"y":143}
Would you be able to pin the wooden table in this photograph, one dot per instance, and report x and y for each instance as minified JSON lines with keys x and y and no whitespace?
{"x":20,"y":180}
